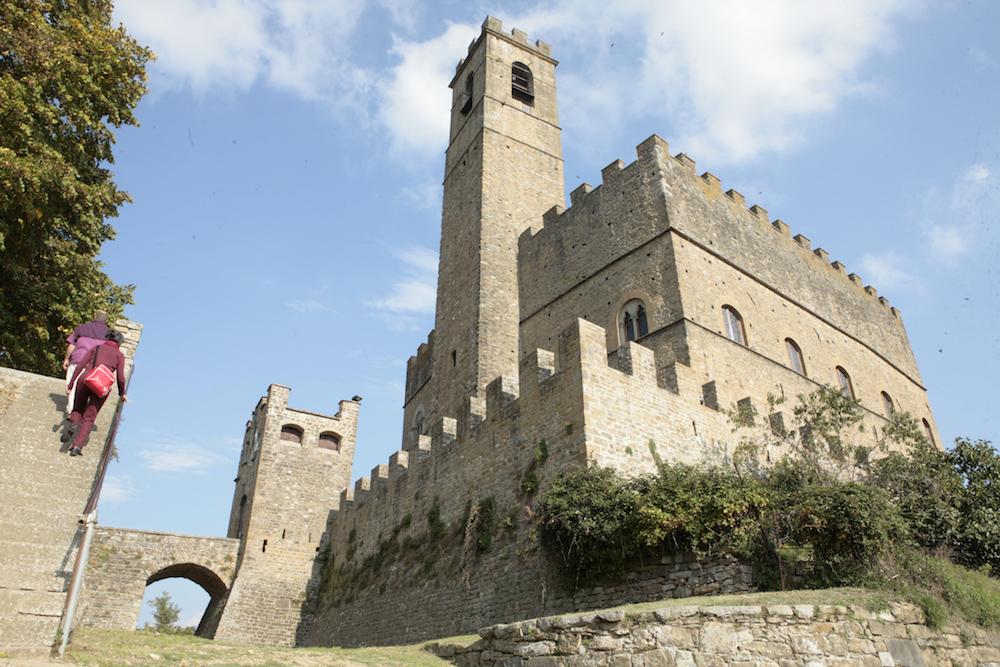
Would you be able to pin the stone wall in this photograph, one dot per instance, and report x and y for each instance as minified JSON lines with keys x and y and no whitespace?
{"x":291,"y":487}
{"x":40,"y":514}
{"x":123,"y":562}
{"x":503,"y":170}
{"x":514,"y":581}
{"x":743,"y":636}
{"x":655,"y":231}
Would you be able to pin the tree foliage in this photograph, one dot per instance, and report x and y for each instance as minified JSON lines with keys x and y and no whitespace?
{"x":67,"y":76}
{"x":165,"y":613}
{"x":842,"y":515}
{"x":825,"y":432}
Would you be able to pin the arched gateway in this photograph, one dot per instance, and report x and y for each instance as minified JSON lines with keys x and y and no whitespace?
{"x":123,"y":562}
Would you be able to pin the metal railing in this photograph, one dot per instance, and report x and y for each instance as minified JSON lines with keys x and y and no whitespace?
{"x":89,"y":520}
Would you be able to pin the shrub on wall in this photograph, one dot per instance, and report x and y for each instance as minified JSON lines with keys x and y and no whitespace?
{"x":596,"y":521}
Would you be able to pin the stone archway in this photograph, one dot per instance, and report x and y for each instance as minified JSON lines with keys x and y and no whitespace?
{"x":123,"y":562}
{"x":209,"y":581}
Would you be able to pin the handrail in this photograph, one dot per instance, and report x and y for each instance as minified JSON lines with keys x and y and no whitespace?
{"x":95,"y":494}
{"x":89,"y":520}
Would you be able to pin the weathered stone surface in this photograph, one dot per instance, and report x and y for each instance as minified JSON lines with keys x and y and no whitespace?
{"x":42,"y":497}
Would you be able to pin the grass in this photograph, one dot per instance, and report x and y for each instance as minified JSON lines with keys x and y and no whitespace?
{"x":117,"y":648}
{"x":949,"y":594}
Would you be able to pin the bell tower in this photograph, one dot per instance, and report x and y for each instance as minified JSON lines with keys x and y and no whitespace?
{"x":504,"y":169}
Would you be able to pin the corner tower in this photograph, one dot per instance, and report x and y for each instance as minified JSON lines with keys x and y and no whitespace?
{"x":504,"y":169}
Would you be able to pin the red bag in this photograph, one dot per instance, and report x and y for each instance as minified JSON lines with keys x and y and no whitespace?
{"x":100,"y":380}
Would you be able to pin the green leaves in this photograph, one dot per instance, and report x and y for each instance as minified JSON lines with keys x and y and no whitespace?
{"x":66,"y":77}
{"x":597,"y":521}
{"x":841,"y":515}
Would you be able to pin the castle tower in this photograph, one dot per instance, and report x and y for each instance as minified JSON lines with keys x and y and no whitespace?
{"x":503,"y":170}
{"x":293,"y":467}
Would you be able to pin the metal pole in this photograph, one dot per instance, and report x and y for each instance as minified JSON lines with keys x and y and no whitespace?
{"x":90,"y":520}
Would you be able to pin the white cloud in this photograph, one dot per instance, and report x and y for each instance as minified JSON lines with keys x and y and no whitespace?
{"x":415,"y":98}
{"x":948,"y":243}
{"x":117,"y":489}
{"x":973,"y":204}
{"x":424,"y":195}
{"x":308,"y":306}
{"x":972,"y":187}
{"x":981,"y":58}
{"x":416,"y":291}
{"x":178,"y":457}
{"x":734,"y":79}
{"x":313,"y":303}
{"x":210,"y":45}
{"x":887,"y":271}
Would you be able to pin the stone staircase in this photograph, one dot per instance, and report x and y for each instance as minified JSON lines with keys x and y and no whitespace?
{"x":43,"y":494}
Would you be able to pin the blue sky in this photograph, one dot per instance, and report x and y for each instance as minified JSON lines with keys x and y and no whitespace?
{"x":287,"y":173}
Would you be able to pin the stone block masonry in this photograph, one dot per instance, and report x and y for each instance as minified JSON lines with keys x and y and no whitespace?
{"x":615,"y":332}
{"x":42,"y":496}
{"x":293,"y":468}
{"x":738,"y":636}
{"x":123,"y":562}
{"x":586,"y":411}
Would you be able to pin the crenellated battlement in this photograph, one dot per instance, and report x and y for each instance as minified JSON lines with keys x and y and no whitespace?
{"x":419,"y":368}
{"x":483,"y":450}
{"x":495,"y":27}
{"x":653,"y":156}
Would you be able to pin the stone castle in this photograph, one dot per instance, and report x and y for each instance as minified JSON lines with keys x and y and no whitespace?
{"x":614,"y":331}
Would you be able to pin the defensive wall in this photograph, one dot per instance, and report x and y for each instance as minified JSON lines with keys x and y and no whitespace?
{"x":583,"y":410}
{"x":773,"y":635}
{"x":123,"y":562}
{"x":657,"y":232}
{"x":42,"y":499}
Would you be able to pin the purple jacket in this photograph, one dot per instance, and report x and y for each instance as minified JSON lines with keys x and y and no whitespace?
{"x":86,"y":337}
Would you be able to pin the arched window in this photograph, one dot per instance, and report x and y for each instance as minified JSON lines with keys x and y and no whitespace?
{"x":795,"y":357}
{"x":888,"y":405}
{"x":632,"y":321}
{"x":929,"y":433}
{"x":734,"y":325}
{"x":419,"y":425}
{"x":522,"y":84}
{"x":329,"y":440}
{"x":468,"y":94}
{"x":846,"y":388}
{"x":291,"y":433}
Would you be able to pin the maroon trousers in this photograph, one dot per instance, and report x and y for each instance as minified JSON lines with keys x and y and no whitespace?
{"x":86,"y":405}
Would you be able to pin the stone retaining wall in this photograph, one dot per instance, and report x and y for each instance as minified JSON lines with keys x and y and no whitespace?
{"x":744,"y":636}
{"x":506,"y":585}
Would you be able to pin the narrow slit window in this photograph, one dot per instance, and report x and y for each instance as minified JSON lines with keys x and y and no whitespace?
{"x":888,"y":405}
{"x":846,"y":388}
{"x":467,"y":107}
{"x":929,"y":433}
{"x":795,"y":357}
